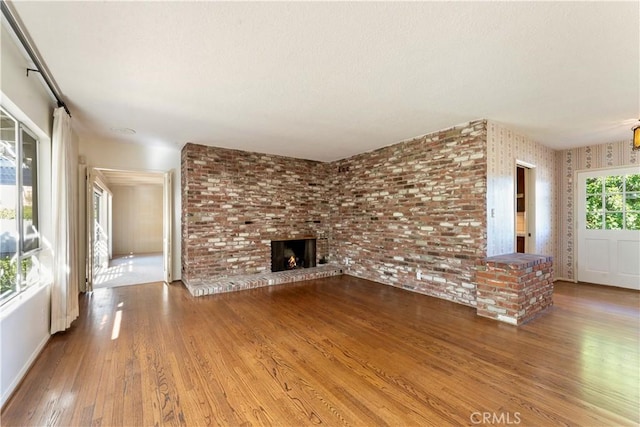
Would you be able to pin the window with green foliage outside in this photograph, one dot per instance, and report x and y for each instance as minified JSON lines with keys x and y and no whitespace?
{"x":613,"y":202}
{"x":19,"y":226}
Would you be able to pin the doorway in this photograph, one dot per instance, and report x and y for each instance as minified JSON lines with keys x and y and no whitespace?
{"x":138,"y":236}
{"x":525,"y":208}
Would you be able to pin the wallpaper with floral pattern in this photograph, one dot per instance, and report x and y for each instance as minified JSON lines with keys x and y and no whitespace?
{"x":568,"y":162}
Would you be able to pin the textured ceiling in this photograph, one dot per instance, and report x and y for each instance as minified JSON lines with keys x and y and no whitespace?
{"x":326,"y":80}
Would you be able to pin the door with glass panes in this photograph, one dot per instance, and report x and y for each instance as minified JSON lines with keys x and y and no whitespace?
{"x":608,"y":227}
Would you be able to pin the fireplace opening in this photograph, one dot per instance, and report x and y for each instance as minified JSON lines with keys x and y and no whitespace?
{"x":293,"y":254}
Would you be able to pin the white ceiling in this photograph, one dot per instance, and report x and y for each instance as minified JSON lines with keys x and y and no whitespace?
{"x":326,"y":80}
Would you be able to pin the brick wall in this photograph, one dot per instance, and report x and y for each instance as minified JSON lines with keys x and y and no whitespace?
{"x":417,"y":205}
{"x":514,"y":288}
{"x":234,"y":203}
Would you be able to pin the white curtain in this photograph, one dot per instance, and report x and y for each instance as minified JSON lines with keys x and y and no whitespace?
{"x":64,"y":293}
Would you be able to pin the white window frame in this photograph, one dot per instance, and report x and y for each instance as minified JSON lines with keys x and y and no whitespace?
{"x":21,"y":285}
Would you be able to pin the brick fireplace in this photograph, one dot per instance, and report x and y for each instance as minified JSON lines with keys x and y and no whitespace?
{"x":234,"y":203}
{"x":411,"y":215}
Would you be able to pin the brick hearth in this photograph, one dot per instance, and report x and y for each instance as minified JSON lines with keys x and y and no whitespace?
{"x":249,"y":281}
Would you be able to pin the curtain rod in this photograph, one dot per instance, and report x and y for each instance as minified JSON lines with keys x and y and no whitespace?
{"x":8,"y":14}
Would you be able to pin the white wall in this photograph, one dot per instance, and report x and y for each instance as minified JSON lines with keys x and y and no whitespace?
{"x":121,"y":155}
{"x":504,"y":149}
{"x":26,"y":93}
{"x":137,"y":219}
{"x":24,"y":321}
{"x":24,"y":328}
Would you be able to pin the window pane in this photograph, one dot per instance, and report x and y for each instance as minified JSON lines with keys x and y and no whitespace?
{"x":8,"y":205}
{"x":30,"y":230}
{"x":633,"y":220}
{"x":594,"y":185}
{"x":613,"y":202}
{"x":613,"y":221}
{"x":613,"y":184}
{"x":8,"y":276}
{"x":594,"y":221}
{"x":594,"y":203}
{"x":633,"y":182}
{"x":632,"y":201}
{"x":30,"y":270}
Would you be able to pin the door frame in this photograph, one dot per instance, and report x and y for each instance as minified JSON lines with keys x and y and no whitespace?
{"x":104,"y":215}
{"x":167,"y":226}
{"x":89,"y":227}
{"x":91,"y":173}
{"x":93,"y":181}
{"x":529,"y":203}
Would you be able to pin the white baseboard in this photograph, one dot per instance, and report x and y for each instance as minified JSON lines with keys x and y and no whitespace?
{"x":564,"y":279}
{"x":14,"y":385}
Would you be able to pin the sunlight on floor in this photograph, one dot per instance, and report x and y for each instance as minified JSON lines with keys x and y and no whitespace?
{"x":130,"y":270}
{"x":115,"y":332}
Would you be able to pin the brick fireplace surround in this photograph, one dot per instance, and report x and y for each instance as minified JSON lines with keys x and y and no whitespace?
{"x":414,"y":207}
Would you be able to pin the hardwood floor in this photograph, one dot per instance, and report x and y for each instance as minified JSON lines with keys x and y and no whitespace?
{"x":336,"y":351}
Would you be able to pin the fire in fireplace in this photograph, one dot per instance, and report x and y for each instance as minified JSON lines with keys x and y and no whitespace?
{"x":293,"y":254}
{"x":291,"y":264}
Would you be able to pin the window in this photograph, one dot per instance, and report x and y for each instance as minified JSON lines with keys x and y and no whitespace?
{"x":19,"y":230}
{"x":613,"y":202}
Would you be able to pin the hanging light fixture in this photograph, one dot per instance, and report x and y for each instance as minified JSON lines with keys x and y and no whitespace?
{"x":636,"y":136}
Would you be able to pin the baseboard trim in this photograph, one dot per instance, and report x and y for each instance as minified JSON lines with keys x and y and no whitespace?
{"x":564,"y":279}
{"x":23,"y":372}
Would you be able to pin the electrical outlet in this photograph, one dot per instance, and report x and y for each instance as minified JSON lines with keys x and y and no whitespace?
{"x":419,"y":275}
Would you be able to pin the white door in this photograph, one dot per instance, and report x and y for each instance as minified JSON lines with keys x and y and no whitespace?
{"x":608,"y":227}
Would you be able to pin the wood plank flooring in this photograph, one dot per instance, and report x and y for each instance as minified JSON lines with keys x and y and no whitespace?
{"x":336,"y":351}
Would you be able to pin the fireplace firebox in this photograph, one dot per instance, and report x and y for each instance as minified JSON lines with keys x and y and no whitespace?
{"x":293,"y":254}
